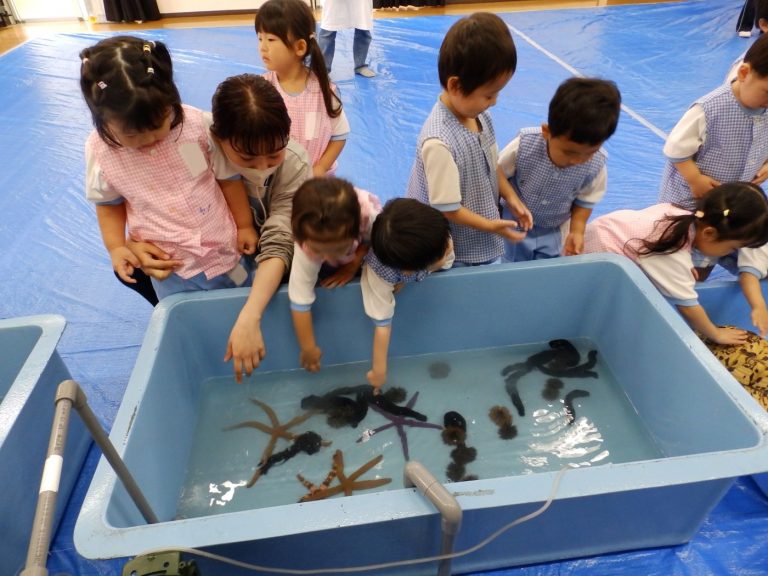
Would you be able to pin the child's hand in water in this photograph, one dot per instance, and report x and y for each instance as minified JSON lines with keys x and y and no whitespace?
{"x":376,"y":379}
{"x":760,"y":320}
{"x":507,"y":229}
{"x":309,"y":359}
{"x":124,"y":263}
{"x":247,"y":240}
{"x":729,"y":335}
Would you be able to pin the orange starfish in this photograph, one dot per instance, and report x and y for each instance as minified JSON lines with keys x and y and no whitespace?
{"x":275,"y":431}
{"x":347,"y":484}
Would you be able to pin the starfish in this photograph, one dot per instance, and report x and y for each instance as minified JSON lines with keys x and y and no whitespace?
{"x":347,"y":484}
{"x":275,"y":431}
{"x":399,"y":423}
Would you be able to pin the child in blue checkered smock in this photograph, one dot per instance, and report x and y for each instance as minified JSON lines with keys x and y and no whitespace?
{"x":559,"y":170}
{"x":456,"y":167}
{"x":409,"y":240}
{"x":723,"y":136}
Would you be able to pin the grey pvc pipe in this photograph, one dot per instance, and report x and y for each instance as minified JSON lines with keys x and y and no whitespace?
{"x":69,"y":394}
{"x":417,"y":476}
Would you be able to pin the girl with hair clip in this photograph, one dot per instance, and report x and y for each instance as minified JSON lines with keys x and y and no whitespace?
{"x":288,"y":46}
{"x":331,"y":224}
{"x":250,"y":128}
{"x":409,"y":241}
{"x":661,"y":238}
{"x":148,"y":164}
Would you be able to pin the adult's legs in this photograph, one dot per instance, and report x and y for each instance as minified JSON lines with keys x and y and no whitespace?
{"x":327,"y":41}
{"x":746,"y":20}
{"x":360,"y":46}
{"x":143,"y":286}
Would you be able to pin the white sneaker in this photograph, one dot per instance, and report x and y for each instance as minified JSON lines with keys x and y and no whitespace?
{"x":365,"y":72}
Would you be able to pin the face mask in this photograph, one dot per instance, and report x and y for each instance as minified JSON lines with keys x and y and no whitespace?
{"x":261,"y":176}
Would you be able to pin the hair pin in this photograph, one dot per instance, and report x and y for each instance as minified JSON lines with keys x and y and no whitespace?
{"x":101,"y":84}
{"x":698,"y":214}
{"x":146,"y":47}
{"x":312,"y":36}
{"x":84,"y":60}
{"x":150,"y":70}
{"x":726,"y":212}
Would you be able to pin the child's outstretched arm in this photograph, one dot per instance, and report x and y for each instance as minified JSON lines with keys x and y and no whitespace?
{"x":310,"y":354}
{"x":379,"y":304}
{"x":377,"y":375}
{"x":245,"y":346}
{"x":112,"y":220}
{"x":301,"y":293}
{"x":750,"y":285}
{"x":697,"y":317}
{"x":237,"y":199}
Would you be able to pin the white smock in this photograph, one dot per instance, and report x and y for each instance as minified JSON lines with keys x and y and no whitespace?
{"x":344,"y":14}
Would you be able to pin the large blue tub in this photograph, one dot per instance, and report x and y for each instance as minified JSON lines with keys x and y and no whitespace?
{"x":30,"y":372}
{"x":706,"y":428}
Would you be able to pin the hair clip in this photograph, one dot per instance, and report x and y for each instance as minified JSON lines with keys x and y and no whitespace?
{"x":146,"y":47}
{"x":726,"y":212}
{"x":699,"y":214}
{"x":150,"y":70}
{"x":84,"y":60}
{"x":101,"y":84}
{"x":312,"y":36}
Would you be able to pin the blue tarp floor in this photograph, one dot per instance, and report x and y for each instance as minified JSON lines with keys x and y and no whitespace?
{"x":662,"y":56}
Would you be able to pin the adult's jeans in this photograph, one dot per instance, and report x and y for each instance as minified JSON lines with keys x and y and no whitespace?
{"x":360,"y":44}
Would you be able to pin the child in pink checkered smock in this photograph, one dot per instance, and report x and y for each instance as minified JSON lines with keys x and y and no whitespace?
{"x":331,"y":224}
{"x":295,"y":64}
{"x":149,"y":171}
{"x":660,"y":240}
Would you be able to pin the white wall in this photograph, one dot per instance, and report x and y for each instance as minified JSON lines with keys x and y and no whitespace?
{"x":47,"y":9}
{"x":187,"y":6}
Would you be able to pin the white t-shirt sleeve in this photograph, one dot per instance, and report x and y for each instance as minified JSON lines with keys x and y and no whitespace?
{"x":593,"y":192}
{"x":672,"y":274}
{"x":754,"y":261}
{"x":378,"y":297}
{"x":97,"y":190}
{"x":301,"y":283}
{"x":340,"y":127}
{"x":687,"y":136}
{"x":508,"y":158}
{"x":442,"y":174}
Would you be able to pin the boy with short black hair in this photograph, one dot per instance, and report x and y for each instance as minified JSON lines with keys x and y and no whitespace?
{"x":558,"y":169}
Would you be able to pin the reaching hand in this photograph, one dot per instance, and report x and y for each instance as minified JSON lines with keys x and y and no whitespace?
{"x":760,"y":320}
{"x":729,"y":335}
{"x":376,"y":379}
{"x":245,"y":348}
{"x":310,"y":359}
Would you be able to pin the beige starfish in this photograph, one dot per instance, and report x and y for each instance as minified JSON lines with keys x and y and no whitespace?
{"x":275,"y":431}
